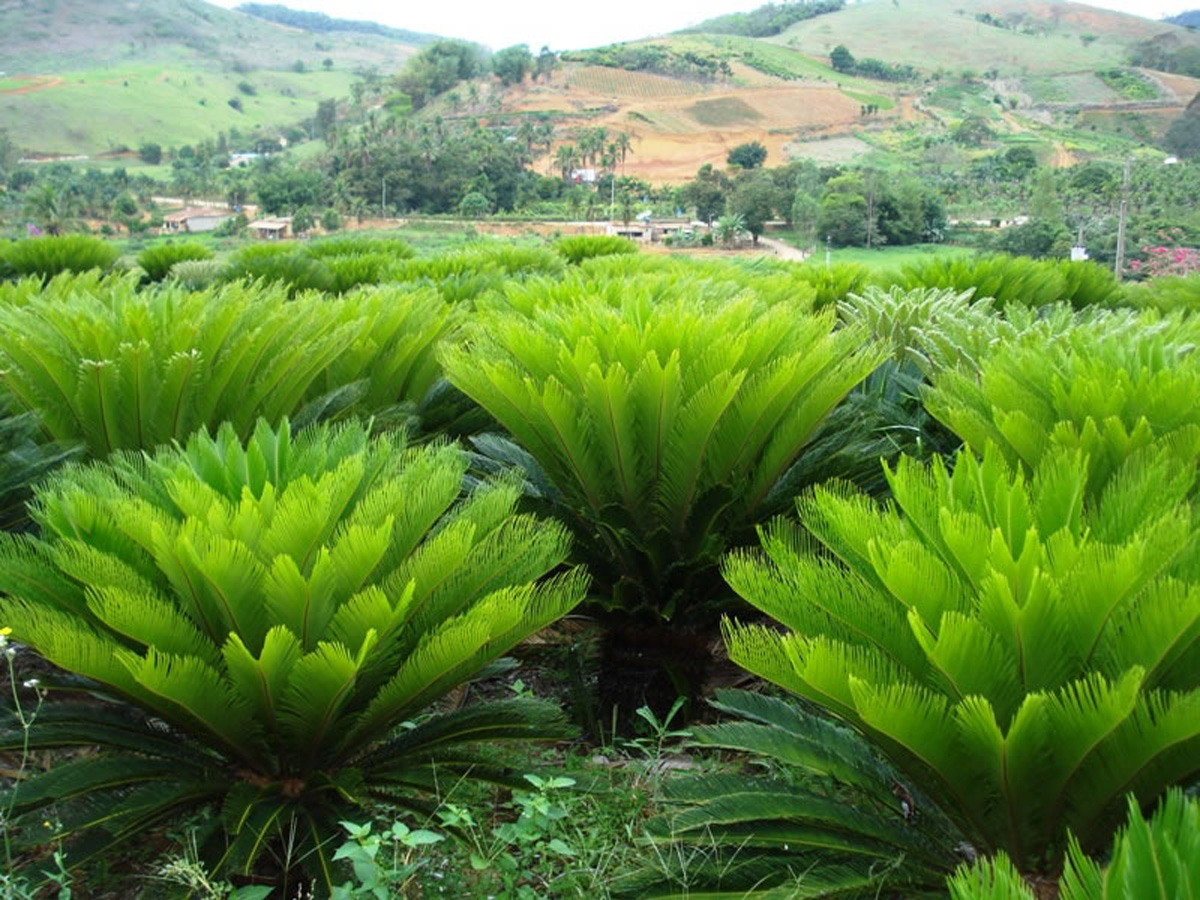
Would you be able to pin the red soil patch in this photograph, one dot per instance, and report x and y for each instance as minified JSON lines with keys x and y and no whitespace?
{"x":34,"y":85}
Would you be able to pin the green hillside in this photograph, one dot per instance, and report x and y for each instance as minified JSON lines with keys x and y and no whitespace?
{"x":1015,"y":38}
{"x":84,"y":78}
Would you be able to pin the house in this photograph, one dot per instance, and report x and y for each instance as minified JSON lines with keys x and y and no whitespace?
{"x":194,"y":219}
{"x":241,"y":160}
{"x":583,"y":176}
{"x":272,"y":229}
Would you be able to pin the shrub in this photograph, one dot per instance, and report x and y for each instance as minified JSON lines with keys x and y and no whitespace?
{"x":1023,"y":656}
{"x":354,"y":245}
{"x":1156,"y":860}
{"x":588,"y":246}
{"x":156,"y":261}
{"x":349,"y":272}
{"x":119,"y":369}
{"x":663,"y":415}
{"x":1167,"y":294}
{"x":266,"y":616}
{"x":1113,"y":392}
{"x":834,"y":283}
{"x":48,"y":256}
{"x":1005,"y":279}
{"x":197,"y":274}
{"x":282,"y":264}
{"x":331,"y":220}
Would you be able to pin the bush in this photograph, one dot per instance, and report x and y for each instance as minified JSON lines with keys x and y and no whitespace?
{"x":119,"y":369}
{"x":662,"y":411}
{"x":24,"y":460}
{"x":588,"y":246}
{"x":1116,"y":393}
{"x":46,"y":257}
{"x":279,"y":263}
{"x":331,"y":220}
{"x":1024,"y":655}
{"x":157,"y":260}
{"x":197,"y":274}
{"x":1158,"y":859}
{"x":264,"y":618}
{"x":355,"y":245}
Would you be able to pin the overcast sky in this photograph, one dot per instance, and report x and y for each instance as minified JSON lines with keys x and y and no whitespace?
{"x":567,"y":26}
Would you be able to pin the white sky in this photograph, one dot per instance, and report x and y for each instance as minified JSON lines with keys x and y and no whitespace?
{"x":568,"y":26}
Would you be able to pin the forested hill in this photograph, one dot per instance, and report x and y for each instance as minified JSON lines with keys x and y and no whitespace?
{"x":320,"y":23}
{"x":767,"y":20}
{"x":1190,"y":19}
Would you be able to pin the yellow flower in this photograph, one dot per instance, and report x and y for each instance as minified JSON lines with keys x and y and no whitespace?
{"x":5,"y":632}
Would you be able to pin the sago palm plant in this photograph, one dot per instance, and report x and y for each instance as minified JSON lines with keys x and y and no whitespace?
{"x":1115,"y":388}
{"x":1026,"y":658}
{"x":280,"y":620}
{"x":1157,"y":859}
{"x":663,"y":417}
{"x":660,"y":418}
{"x":123,"y":369}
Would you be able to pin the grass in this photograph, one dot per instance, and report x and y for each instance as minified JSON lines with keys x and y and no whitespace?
{"x":885,"y":258}
{"x":104,"y":109}
{"x":723,"y":112}
{"x":944,"y":34}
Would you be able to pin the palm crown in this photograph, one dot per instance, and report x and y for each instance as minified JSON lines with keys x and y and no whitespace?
{"x":282,"y":605}
{"x":1026,"y":655}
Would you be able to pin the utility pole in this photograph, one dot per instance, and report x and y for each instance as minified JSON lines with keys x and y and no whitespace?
{"x":828,"y":251}
{"x":383,"y":201}
{"x":1119,"y":268}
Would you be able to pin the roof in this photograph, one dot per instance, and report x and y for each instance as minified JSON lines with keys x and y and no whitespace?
{"x":195,"y":212}
{"x":272,"y":224}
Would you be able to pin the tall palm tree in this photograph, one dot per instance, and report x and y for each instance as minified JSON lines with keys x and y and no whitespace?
{"x":624,"y":145}
{"x":566,"y":158}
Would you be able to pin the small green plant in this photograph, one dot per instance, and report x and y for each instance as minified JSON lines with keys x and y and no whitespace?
{"x":378,"y":873}
{"x":158,"y":260}
{"x":197,"y":274}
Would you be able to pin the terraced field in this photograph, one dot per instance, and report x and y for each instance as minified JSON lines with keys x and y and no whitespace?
{"x":630,"y":85}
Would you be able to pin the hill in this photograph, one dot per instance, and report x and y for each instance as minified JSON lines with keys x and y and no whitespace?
{"x":1054,"y":76}
{"x":320,"y":23}
{"x":82,"y":77}
{"x":1190,"y":19}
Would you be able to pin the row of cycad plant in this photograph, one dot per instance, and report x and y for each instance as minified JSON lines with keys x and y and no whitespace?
{"x":1015,"y":632}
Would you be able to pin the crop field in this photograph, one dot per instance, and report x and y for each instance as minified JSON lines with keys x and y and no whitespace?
{"x":1082,"y":88}
{"x":723,"y":112}
{"x":607,"y":82}
{"x":323,"y":531}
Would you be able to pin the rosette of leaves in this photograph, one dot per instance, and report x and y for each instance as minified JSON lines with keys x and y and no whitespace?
{"x":158,"y":260}
{"x":277,"y":622}
{"x":1114,"y":389}
{"x":661,"y":414}
{"x":1026,"y":655}
{"x":45,"y":257}
{"x":121,"y":369}
{"x":1155,"y":859}
{"x":23,"y":461}
{"x":576,"y":248}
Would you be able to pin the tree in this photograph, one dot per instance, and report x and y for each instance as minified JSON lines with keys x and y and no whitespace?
{"x":566,"y":158}
{"x":728,"y":228}
{"x":748,"y":156}
{"x":325,"y":119}
{"x":512,"y":64}
{"x":546,"y":61}
{"x":973,"y":131}
{"x":843,"y":216}
{"x":303,"y":220}
{"x":474,"y":205}
{"x":804,"y":214}
{"x":755,"y":201}
{"x":327,"y":63}
{"x":151,"y":154}
{"x":841,"y":59}
{"x":1183,"y":137}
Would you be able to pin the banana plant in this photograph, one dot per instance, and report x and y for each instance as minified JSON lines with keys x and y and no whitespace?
{"x":121,"y":369}
{"x":1024,"y":656}
{"x":278,"y":622}
{"x":1155,"y":859}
